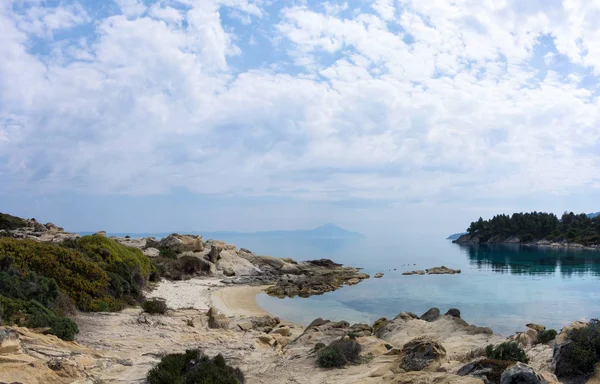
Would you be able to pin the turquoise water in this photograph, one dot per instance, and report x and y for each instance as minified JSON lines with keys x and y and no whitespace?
{"x":502,"y":287}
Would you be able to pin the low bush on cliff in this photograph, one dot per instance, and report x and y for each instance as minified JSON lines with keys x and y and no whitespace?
{"x":546,"y":336}
{"x":580,"y":355}
{"x":339,"y":353}
{"x":509,"y":351}
{"x":193,"y":367}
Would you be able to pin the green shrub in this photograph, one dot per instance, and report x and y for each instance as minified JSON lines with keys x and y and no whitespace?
{"x":191,"y":265}
{"x":155,"y":306}
{"x":168,"y":253}
{"x":82,"y":279}
{"x":353,"y":335}
{"x":192,"y":367}
{"x":329,"y":357}
{"x":582,"y":353}
{"x":33,"y":314}
{"x":9,"y":222}
{"x":28,"y":287}
{"x":339,"y":353}
{"x":546,"y":336}
{"x":110,"y":253}
{"x":509,"y":351}
{"x":379,"y":323}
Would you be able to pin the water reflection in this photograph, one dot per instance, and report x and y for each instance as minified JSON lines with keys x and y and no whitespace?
{"x":527,"y":260}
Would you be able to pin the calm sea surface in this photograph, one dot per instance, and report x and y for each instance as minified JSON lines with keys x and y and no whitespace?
{"x":502,"y":287}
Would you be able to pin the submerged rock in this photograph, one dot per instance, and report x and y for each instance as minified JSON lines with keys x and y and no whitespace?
{"x":378,"y":275}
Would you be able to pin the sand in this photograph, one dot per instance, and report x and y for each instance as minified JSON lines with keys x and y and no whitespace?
{"x":203,"y":293}
{"x":238,"y":301}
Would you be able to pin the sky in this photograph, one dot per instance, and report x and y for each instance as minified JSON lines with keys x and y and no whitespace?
{"x":381,"y":116}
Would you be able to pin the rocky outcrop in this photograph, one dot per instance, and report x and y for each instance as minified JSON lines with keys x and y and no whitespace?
{"x":182,"y":243}
{"x":31,"y":229}
{"x":454,"y":334}
{"x":216,"y":319}
{"x":315,"y":278}
{"x":488,"y":370}
{"x":434,"y":271}
{"x":431,"y":315}
{"x":378,"y":275}
{"x":454,"y":312}
{"x":422,"y":353}
{"x":520,"y":373}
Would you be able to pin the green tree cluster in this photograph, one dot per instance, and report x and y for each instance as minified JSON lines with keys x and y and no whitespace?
{"x":533,"y":226}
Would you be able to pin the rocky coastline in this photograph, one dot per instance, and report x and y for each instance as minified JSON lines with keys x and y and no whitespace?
{"x":208,"y":296}
{"x":474,"y":239}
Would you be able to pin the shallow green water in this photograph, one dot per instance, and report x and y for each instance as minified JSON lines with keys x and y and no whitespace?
{"x":503,"y":287}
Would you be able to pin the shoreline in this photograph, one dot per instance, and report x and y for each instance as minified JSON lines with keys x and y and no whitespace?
{"x":566,"y":246}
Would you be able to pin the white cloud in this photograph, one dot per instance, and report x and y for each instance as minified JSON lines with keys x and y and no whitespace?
{"x":449,"y":105}
{"x":132,"y":8}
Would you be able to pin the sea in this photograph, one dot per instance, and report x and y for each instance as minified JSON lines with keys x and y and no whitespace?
{"x":503,"y":287}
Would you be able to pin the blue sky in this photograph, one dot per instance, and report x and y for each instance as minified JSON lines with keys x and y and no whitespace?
{"x":380,"y":116}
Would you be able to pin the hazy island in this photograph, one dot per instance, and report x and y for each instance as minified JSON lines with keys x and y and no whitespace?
{"x":536,"y":228}
{"x":182,"y":309}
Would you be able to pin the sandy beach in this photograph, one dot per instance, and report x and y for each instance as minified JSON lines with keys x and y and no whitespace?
{"x":203,"y":293}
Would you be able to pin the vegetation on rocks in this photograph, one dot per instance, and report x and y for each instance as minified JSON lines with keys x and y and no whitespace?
{"x":193,"y":367}
{"x":509,"y":351}
{"x":9,"y":222}
{"x":155,"y":306}
{"x":41,"y":282}
{"x":580,"y":355}
{"x":575,"y":228}
{"x":339,"y":353}
{"x":546,"y":336}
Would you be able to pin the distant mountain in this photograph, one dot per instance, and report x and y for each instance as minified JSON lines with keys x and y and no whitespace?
{"x":592,"y":215}
{"x":456,"y":236}
{"x":327,"y":231}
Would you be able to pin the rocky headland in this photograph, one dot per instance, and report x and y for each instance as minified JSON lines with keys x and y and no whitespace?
{"x":208,"y":289}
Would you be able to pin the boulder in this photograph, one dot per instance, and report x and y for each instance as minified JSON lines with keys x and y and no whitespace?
{"x":379,"y":323}
{"x":360,"y":330}
{"x":563,"y":336}
{"x":216,"y":319}
{"x":9,"y":342}
{"x":490,"y":370}
{"x":283,"y":331}
{"x":454,"y":312}
{"x":422,"y":353}
{"x":431,"y":315}
{"x":406,"y":316}
{"x":520,"y":373}
{"x":151,"y":252}
{"x":317,"y":322}
{"x":233,"y":265}
{"x":537,"y":327}
{"x":527,"y":338}
{"x":221,"y":244}
{"x":378,"y":275}
{"x":100,"y":233}
{"x":182,"y":243}
{"x":215,"y":253}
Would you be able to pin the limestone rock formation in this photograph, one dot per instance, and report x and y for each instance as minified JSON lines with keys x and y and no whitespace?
{"x":216,"y":319}
{"x":182,"y":243}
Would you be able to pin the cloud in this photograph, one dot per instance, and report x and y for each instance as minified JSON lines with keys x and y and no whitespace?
{"x":426,"y":100}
